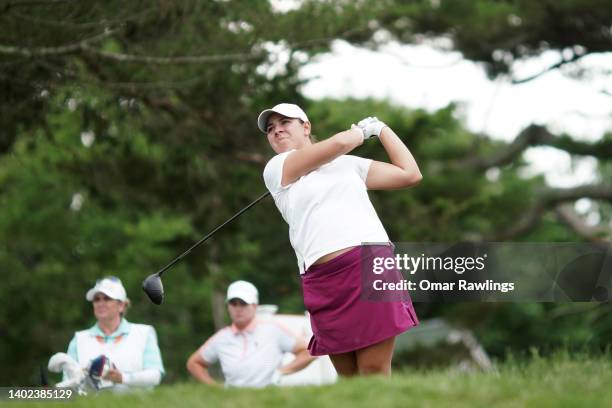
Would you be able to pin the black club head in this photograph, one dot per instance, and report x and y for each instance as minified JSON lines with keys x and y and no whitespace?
{"x":154,"y":288}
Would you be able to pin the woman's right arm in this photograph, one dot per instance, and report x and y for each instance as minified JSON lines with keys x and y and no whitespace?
{"x":198,"y":368}
{"x":311,"y":157}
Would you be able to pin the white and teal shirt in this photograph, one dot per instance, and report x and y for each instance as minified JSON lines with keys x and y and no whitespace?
{"x":132,"y":348}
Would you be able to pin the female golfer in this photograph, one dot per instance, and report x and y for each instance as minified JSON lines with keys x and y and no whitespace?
{"x":321,"y":192}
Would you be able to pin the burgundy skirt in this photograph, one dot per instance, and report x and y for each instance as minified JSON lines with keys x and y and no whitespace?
{"x":343,"y":317}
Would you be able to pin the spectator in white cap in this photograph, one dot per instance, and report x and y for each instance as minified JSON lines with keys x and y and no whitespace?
{"x":131,"y":348}
{"x":250,"y":350}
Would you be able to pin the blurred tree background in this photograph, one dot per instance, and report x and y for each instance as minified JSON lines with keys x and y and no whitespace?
{"x":127,"y":131}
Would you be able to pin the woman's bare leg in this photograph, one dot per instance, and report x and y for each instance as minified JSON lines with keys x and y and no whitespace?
{"x":376,"y":359}
{"x":345,"y":363}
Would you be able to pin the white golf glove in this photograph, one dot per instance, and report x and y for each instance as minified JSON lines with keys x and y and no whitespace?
{"x":74,"y":372}
{"x":371,"y":127}
{"x":58,"y":361}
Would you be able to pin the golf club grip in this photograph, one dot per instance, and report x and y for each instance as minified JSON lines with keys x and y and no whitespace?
{"x":210,"y":234}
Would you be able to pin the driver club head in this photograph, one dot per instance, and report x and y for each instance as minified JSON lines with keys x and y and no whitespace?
{"x":154,"y":289}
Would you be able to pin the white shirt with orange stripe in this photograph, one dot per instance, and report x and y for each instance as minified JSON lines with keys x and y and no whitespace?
{"x":249,"y":357}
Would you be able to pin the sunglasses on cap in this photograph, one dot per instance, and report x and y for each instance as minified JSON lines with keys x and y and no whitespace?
{"x":102,"y":298}
{"x":237,"y":302}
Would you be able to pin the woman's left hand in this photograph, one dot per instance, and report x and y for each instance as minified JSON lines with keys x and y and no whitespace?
{"x":114,"y":375}
{"x":371,"y":126}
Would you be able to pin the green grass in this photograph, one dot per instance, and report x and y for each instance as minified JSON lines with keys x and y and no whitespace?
{"x":561,"y":381}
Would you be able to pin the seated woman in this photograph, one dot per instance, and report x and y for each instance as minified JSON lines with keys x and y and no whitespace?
{"x":131,"y":348}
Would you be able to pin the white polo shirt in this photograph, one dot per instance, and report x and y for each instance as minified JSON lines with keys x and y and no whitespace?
{"x":327,"y":209}
{"x":249,"y":357}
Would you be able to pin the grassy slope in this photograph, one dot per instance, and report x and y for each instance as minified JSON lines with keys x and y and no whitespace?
{"x":562,"y":381}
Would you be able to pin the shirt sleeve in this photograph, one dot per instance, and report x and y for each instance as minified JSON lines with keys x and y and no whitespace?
{"x":72,"y":349}
{"x":209,"y":350}
{"x":361,"y":165}
{"x":152,"y":355}
{"x":273,"y":173}
{"x":72,"y":352}
{"x":144,"y":378}
{"x":286,"y":339}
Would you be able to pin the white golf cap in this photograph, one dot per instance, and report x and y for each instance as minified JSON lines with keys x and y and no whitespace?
{"x":244,"y":291}
{"x":289,"y":110}
{"x":110,"y":286}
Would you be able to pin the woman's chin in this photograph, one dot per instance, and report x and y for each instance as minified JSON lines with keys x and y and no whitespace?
{"x":103,"y":316}
{"x":282,"y":149}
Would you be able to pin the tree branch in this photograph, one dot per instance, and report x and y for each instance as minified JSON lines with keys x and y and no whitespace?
{"x":26,"y":3}
{"x":526,"y":138}
{"x":192,"y":59}
{"x":524,"y":224}
{"x":554,"y":196}
{"x":575,"y":57}
{"x":84,"y":46}
{"x":551,"y":198}
{"x":601,"y":149}
{"x":198,"y":59}
{"x":535,"y":135}
{"x":59,"y":50}
{"x":122,"y":19}
{"x":596,"y":235}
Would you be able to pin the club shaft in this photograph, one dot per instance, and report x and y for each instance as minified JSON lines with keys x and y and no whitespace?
{"x":210,"y":234}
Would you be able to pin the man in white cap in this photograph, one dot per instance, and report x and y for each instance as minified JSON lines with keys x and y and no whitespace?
{"x":250,"y":351}
{"x":131,"y":348}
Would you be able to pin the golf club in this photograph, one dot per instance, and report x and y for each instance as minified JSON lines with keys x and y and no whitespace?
{"x":152,"y":285}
